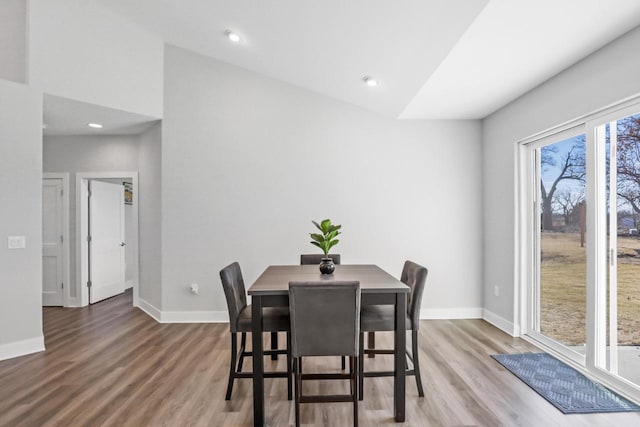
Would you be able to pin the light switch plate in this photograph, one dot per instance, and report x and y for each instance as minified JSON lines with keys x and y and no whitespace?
{"x":16,"y":242}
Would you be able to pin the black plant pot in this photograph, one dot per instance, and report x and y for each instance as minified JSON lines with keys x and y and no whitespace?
{"x":327,"y":266}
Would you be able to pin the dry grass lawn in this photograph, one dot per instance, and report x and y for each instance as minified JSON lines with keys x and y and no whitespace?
{"x":563,"y":289}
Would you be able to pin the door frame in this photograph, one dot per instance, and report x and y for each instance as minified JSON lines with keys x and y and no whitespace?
{"x":81,"y":221}
{"x":67,"y":301}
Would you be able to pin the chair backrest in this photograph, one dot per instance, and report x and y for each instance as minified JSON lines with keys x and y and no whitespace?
{"x":233,"y":285}
{"x":414,"y":276}
{"x":325,"y":318}
{"x":314,"y":259}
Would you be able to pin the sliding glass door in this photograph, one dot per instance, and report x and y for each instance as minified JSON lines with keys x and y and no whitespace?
{"x":620,"y":140}
{"x":581,"y":254}
{"x":560,"y":235}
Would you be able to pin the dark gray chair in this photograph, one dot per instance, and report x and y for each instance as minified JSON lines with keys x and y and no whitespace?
{"x":381,"y":318}
{"x":314,"y":259}
{"x":325,"y":321}
{"x":274,"y":319}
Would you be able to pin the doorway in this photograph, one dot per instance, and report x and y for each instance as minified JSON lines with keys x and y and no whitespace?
{"x":55,"y":239}
{"x":108,"y":257}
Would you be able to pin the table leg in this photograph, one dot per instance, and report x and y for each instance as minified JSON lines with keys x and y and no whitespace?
{"x":400,"y":362}
{"x":258,"y":361}
{"x":274,"y":344}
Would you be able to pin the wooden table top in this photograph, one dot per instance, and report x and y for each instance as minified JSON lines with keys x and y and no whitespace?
{"x":275,"y":279}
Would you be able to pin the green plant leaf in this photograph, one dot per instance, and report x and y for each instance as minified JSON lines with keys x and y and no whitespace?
{"x":317,"y":225}
{"x":317,"y":244}
{"x":325,"y":224}
{"x":335,"y":227}
{"x":332,"y":235}
{"x":317,"y":237}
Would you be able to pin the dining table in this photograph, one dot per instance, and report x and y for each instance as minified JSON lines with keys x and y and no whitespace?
{"x":377,"y":287}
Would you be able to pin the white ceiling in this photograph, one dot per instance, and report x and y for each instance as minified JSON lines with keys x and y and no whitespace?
{"x":435,"y":59}
{"x":64,"y":116}
{"x":512,"y":47}
{"x":454,"y":59}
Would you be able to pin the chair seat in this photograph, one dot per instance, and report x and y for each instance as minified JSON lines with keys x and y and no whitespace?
{"x":379,"y":318}
{"x":274,"y":319}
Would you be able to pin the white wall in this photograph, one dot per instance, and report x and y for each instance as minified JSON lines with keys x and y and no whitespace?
{"x":74,"y":154}
{"x":20,"y":215}
{"x":13,"y":34}
{"x":79,"y":50}
{"x":609,"y":75}
{"x":149,"y":216}
{"x":248,"y":162}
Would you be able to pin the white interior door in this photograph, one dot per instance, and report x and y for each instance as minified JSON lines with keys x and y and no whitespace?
{"x":106,"y":248}
{"x":52,"y":242}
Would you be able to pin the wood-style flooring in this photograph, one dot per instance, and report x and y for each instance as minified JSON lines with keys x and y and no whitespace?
{"x":111,"y":364}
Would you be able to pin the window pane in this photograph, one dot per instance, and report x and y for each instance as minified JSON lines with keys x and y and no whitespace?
{"x":562,"y":275}
{"x":623,"y":213}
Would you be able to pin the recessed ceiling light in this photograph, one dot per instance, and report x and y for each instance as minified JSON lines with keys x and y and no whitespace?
{"x":370,"y":81}
{"x":232,"y":36}
{"x":95,"y":125}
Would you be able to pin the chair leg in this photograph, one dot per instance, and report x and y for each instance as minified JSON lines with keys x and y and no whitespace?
{"x":371,"y":343}
{"x":289,"y":370}
{"x":243,"y":351}
{"x":296,"y":365}
{"x":416,"y":363}
{"x":232,"y":365}
{"x":351,"y":370}
{"x":274,"y":344}
{"x":361,"y":368}
{"x":353,"y":362}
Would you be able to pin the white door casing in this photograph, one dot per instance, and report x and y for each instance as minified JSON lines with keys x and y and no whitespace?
{"x":52,"y":243}
{"x":106,"y":231}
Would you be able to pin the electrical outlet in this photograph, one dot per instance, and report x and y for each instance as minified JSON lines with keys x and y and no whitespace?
{"x":16,"y":242}
{"x":194,"y":288}
{"x":496,"y":291}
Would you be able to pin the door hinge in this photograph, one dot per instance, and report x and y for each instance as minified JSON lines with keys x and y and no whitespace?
{"x":61,"y":239}
{"x":89,"y":284}
{"x":61,"y":193}
{"x":88,"y":238}
{"x":62,"y":285}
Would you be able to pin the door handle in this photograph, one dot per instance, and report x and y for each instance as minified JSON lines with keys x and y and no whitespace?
{"x":123,"y":244}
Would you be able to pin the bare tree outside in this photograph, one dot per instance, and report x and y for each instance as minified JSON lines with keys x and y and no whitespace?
{"x":629,"y":161}
{"x":568,"y":203}
{"x":569,"y":166}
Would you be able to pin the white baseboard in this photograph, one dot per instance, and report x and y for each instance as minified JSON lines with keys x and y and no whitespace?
{"x":183,"y":316}
{"x":151,"y":310}
{"x":21,"y":348}
{"x":451,"y":313}
{"x":500,"y":323}
{"x":73,"y":302}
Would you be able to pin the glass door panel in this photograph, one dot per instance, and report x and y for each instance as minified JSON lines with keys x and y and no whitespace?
{"x":622,"y":145}
{"x":561,"y":279}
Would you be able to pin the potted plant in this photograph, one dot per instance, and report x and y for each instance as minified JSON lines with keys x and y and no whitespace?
{"x":325,"y":240}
